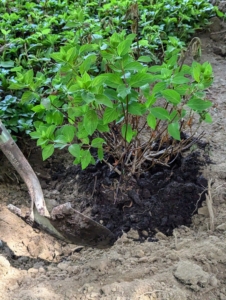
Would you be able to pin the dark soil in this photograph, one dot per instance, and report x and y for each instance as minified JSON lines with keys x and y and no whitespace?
{"x":162,"y":199}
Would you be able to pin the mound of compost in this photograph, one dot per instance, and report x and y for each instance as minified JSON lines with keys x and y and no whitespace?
{"x":161,"y":199}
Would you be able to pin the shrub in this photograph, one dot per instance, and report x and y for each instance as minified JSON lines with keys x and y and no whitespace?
{"x":101,"y":99}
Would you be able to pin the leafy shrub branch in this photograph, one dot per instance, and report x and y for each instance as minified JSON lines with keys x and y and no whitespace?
{"x":104,"y":102}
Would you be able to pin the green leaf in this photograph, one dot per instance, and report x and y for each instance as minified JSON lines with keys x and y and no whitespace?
{"x":35,"y":134}
{"x":101,"y":127}
{"x":97,"y":142}
{"x":179,"y":79}
{"x":155,"y":69}
{"x":136,"y":109}
{"x":198,"y":104}
{"x":102,"y":99}
{"x":107,"y":55}
{"x":207,"y":82}
{"x":17,"y":86}
{"x":68,"y":131}
{"x":38,"y":108}
{"x":28,"y":76}
{"x":127,"y":132}
{"x":110,"y":114}
{"x":72,"y":54}
{"x":86,"y":158}
{"x":151,"y":120}
{"x":99,"y":80}
{"x":47,"y":151}
{"x":208,"y":70}
{"x":172,"y":61}
{"x":171,"y":96}
{"x":124,"y":47}
{"x":183,"y":89}
{"x":5,"y":32}
{"x":46,"y":102}
{"x":57,"y":56}
{"x":219,"y":13}
{"x":57,"y":118}
{"x":123,"y":91}
{"x":74,"y":150}
{"x":208,"y":118}
{"x":145,"y":59}
{"x":50,"y":130}
{"x":133,"y":66}
{"x":88,"y":97}
{"x":111,"y":79}
{"x":186,"y":70}
{"x":41,"y":142}
{"x":173,"y":130}
{"x":73,"y":89}
{"x":86,"y":78}
{"x":90,"y":121}
{"x":87,"y":48}
{"x":158,"y":87}
{"x":140,"y":79}
{"x":45,"y":31}
{"x":61,"y":139}
{"x":85,"y":140}
{"x":81,"y":133}
{"x":16,"y":69}
{"x":196,"y":71}
{"x":85,"y":66}
{"x":160,"y":113}
{"x":7,"y":64}
{"x":174,"y":116}
{"x":27,"y":96}
{"x":150,"y":101}
{"x":110,"y":93}
{"x":100,"y":153}
{"x":166,"y":73}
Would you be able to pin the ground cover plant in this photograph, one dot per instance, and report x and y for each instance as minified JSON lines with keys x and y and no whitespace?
{"x":82,"y":71}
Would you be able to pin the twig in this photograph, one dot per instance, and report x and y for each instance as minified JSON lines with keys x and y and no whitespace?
{"x":127,"y":206}
{"x":111,"y":167}
{"x":156,"y":161}
{"x":2,"y":49}
{"x":196,"y":206}
{"x":209,"y":203}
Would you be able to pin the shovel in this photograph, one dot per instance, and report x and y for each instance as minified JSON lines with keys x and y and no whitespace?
{"x":64,"y":222}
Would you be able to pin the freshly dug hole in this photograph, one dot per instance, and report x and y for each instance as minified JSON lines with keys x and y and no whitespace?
{"x":162,"y":199}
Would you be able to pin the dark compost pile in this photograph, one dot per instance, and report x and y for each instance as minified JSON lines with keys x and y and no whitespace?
{"x":161,"y":199}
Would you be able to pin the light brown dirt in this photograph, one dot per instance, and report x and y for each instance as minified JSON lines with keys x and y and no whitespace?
{"x":189,"y":265}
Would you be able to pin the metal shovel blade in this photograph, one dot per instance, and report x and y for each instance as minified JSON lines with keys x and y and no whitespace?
{"x":73,"y":227}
